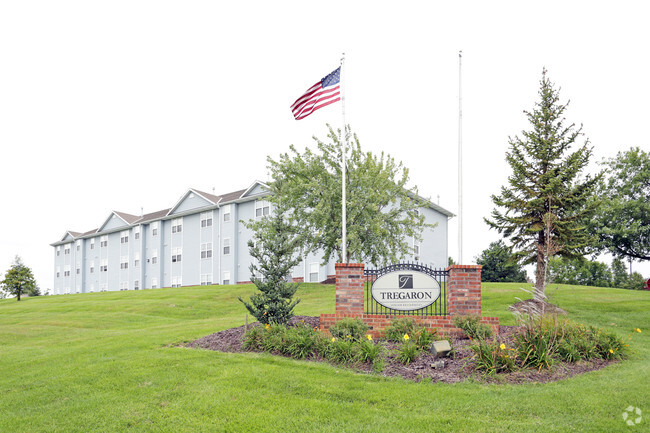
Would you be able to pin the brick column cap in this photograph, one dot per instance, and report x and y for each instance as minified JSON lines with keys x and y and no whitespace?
{"x":464,"y":267}
{"x":348,"y":265}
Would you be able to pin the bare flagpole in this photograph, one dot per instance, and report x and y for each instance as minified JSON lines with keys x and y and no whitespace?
{"x":460,"y":161}
{"x":344,"y":148}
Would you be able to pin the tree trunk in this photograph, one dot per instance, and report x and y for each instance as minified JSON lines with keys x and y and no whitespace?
{"x":540,"y":273}
{"x":18,"y":295}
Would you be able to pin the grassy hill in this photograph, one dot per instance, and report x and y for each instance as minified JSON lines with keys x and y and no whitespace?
{"x":110,"y":362}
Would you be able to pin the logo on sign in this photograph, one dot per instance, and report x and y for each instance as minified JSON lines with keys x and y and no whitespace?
{"x":406,"y":281}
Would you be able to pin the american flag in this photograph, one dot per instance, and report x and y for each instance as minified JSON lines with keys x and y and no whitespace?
{"x":325,"y":92}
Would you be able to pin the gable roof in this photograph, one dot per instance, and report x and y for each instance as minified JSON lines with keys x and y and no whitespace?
{"x":253,"y":186}
{"x":128,"y":219}
{"x":211,"y":199}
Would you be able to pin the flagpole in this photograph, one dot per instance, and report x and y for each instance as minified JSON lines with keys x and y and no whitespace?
{"x":460,"y":161}
{"x":344,"y":148}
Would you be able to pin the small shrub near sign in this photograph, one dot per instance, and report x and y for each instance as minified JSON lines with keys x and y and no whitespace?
{"x":473,"y":327}
{"x":349,"y":328}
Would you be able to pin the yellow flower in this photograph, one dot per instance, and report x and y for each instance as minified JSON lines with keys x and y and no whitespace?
{"x":503,"y":346}
{"x":507,"y":356}
{"x":333,"y":338}
{"x":268,"y":326}
{"x":406,"y":337}
{"x":369,"y":337}
{"x":638,"y":330}
{"x":611,"y":351}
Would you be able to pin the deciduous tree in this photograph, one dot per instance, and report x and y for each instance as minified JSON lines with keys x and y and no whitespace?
{"x":19,"y":279}
{"x":382,"y":213}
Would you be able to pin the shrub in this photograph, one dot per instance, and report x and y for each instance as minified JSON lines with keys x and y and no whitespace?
{"x":301,"y":342}
{"x":345,"y":351}
{"x":423,"y":338}
{"x":400,"y":327}
{"x":407,"y":353}
{"x":349,"y":328}
{"x":473,"y":327}
{"x":369,"y":351}
{"x":539,"y":343}
{"x":493,"y":357}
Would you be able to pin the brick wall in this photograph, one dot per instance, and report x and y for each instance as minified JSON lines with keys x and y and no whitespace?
{"x":463,"y":297}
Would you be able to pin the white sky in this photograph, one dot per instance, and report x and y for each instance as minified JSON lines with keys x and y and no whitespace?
{"x":119,"y":105}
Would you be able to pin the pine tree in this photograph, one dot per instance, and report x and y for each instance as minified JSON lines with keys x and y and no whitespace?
{"x":544,"y":209}
{"x":274,"y":249}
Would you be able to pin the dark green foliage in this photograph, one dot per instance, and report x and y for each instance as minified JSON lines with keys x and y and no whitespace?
{"x":274,"y":251}
{"x":547,"y":203}
{"x":473,"y":327}
{"x":19,"y":280}
{"x":623,"y":220}
{"x":591,"y":273}
{"x":620,"y":277}
{"x":382,"y":213}
{"x":350,"y":329}
{"x":499,"y":265}
{"x":579,"y":272}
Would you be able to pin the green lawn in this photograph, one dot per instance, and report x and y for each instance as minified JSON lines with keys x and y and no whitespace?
{"x":110,"y":362}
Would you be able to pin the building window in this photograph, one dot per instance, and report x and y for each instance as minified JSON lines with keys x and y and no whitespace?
{"x":226,"y":277}
{"x":154,"y":283}
{"x":58,"y":250}
{"x":177,"y":254}
{"x":136,"y":233}
{"x":226,"y":213}
{"x":103,"y":287}
{"x":92,"y":244}
{"x":206,"y":279}
{"x":261,"y":208}
{"x":136,"y":285}
{"x":124,"y":285}
{"x":176,"y":281}
{"x":124,"y":262}
{"x":78,"y":245}
{"x":226,"y":246}
{"x":124,"y":237}
{"x":78,"y":271}
{"x":103,"y":267}
{"x":58,"y":271}
{"x":66,"y":249}
{"x":92,"y":268}
{"x":206,"y":250}
{"x":313,"y":272}
{"x":206,"y":219}
{"x":66,"y":271}
{"x":136,"y":260}
{"x":103,"y":241}
{"x":177,"y":225}
{"x":154,"y":257}
{"x":154,"y":228}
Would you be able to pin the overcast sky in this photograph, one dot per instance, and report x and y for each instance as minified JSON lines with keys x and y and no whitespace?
{"x":123,"y":105}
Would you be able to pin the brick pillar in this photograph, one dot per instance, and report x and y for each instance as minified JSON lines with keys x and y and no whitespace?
{"x":464,"y":290}
{"x":350,"y":284}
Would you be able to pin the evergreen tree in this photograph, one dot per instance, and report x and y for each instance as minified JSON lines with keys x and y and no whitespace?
{"x":544,"y":209}
{"x":620,"y":277}
{"x":19,"y":279}
{"x":274,"y":249}
{"x":499,"y":265}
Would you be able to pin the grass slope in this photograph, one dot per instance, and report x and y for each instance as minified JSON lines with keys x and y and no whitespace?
{"x":109,"y":362}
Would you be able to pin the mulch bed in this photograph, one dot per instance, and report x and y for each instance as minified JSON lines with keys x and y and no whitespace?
{"x":456,"y":368}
